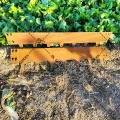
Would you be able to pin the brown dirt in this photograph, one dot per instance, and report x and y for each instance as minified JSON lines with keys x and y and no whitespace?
{"x":87,"y":93}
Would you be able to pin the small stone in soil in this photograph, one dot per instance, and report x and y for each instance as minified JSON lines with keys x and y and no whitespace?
{"x":87,"y":105}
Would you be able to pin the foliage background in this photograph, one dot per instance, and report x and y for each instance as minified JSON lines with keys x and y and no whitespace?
{"x":60,"y":16}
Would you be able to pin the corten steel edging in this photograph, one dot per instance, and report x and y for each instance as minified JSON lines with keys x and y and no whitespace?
{"x":60,"y":54}
{"x":20,"y":38}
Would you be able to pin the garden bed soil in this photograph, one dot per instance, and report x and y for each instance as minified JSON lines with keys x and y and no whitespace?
{"x":84,"y":93}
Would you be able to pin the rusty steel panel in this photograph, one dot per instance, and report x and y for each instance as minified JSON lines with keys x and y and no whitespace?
{"x":60,"y":54}
{"x":20,"y":38}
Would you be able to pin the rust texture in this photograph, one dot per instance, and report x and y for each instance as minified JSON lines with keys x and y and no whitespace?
{"x":16,"y":38}
{"x":60,"y":54}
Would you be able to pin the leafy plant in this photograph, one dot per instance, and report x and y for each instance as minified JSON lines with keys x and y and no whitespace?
{"x":59,"y":16}
{"x":9,"y":101}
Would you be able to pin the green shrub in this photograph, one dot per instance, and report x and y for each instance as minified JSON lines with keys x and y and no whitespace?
{"x":59,"y":16}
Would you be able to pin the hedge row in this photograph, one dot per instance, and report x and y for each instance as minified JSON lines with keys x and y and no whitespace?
{"x":60,"y":16}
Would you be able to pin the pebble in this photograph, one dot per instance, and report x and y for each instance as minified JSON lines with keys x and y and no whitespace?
{"x":87,"y":105}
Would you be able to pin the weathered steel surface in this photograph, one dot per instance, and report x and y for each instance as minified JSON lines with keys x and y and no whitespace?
{"x":61,"y":38}
{"x":60,"y":54}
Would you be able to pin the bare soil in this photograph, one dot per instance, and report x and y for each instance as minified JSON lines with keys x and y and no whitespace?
{"x":84,"y":93}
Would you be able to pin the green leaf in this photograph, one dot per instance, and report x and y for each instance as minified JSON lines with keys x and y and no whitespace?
{"x":65,"y":12}
{"x":38,"y":21}
{"x":88,"y":12}
{"x":62,"y":9}
{"x":101,"y":28}
{"x":13,"y":22}
{"x":118,"y":1}
{"x":44,"y":67}
{"x":112,"y":36}
{"x":13,"y":8}
{"x":49,"y":17}
{"x":87,"y":6}
{"x":54,"y":45}
{"x":77,"y":25}
{"x":114,"y":39}
{"x":82,"y":16}
{"x":93,"y":30}
{"x":15,"y":15}
{"x":31,"y":21}
{"x":44,"y":12}
{"x":5,"y":91}
{"x":87,"y":27}
{"x":48,"y":24}
{"x":117,"y":40}
{"x":3,"y":1}
{"x":5,"y":18}
{"x":71,"y":2}
{"x":76,"y":17}
{"x":60,"y":17}
{"x":92,"y":21}
{"x":22,"y":18}
{"x":1,"y":40}
{"x":32,"y":2}
{"x":117,"y":10}
{"x":103,"y":15}
{"x":44,"y":2}
{"x":57,"y":2}
{"x":9,"y":100}
{"x":1,"y":23}
{"x":63,"y":25}
{"x":5,"y":29}
{"x":1,"y":35}
{"x":92,"y":10}
{"x":53,"y":6}
{"x":42,"y":6}
{"x":102,"y":43}
{"x":81,"y":9}
{"x":103,"y":6}
{"x":20,"y":11}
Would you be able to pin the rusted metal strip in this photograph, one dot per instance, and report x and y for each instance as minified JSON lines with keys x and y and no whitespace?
{"x":16,"y":38}
{"x":60,"y":54}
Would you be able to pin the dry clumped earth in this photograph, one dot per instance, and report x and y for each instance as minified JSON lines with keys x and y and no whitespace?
{"x":84,"y":93}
